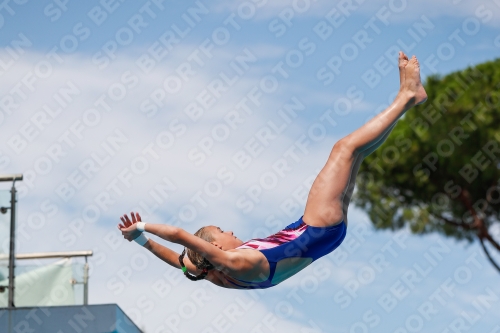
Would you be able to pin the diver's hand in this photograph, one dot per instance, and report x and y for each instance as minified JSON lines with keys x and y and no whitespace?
{"x":129,"y":226}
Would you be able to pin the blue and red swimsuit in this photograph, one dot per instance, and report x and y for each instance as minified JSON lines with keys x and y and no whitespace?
{"x":292,"y":249}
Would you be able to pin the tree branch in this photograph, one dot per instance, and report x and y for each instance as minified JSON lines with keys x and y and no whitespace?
{"x":465,"y":198}
{"x":486,"y":234}
{"x":456,"y":224}
{"x":488,"y":254}
{"x":483,"y":232}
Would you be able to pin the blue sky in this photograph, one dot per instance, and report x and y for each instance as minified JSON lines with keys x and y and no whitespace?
{"x":112,"y":106}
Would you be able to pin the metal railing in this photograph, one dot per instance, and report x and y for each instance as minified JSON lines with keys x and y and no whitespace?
{"x":46,"y":255}
{"x":68,"y":254}
{"x":40,"y":255}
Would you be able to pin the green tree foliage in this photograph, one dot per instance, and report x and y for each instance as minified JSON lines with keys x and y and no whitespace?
{"x":439,"y":170}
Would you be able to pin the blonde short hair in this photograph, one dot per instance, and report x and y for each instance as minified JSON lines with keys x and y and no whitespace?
{"x":197,"y":259}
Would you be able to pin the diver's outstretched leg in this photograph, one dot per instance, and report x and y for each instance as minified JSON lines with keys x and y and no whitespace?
{"x":330,"y":193}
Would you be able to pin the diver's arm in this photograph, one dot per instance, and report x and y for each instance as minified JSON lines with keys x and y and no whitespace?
{"x":169,"y":256}
{"x":222,"y":260}
{"x":131,"y":232}
{"x":232,"y":262}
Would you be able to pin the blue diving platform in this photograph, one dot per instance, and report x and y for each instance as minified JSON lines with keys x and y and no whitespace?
{"x":99,"y":318}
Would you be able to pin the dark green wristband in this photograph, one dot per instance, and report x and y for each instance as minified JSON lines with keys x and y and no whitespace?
{"x":184,"y":269}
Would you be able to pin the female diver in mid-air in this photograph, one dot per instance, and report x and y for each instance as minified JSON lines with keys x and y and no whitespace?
{"x":226,"y":261}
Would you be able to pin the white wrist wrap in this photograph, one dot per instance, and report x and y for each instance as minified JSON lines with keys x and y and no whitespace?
{"x":141,"y":226}
{"x":141,"y":239}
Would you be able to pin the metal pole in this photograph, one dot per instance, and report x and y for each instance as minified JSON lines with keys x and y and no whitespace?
{"x":12,"y":256}
{"x":86,"y":283}
{"x":45,"y":255}
{"x":11,"y":177}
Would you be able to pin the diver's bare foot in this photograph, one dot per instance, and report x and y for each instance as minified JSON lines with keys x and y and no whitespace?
{"x":413,"y":84}
{"x":402,"y":62}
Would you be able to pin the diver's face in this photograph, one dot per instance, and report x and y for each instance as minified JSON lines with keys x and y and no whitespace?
{"x":224,"y":240}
